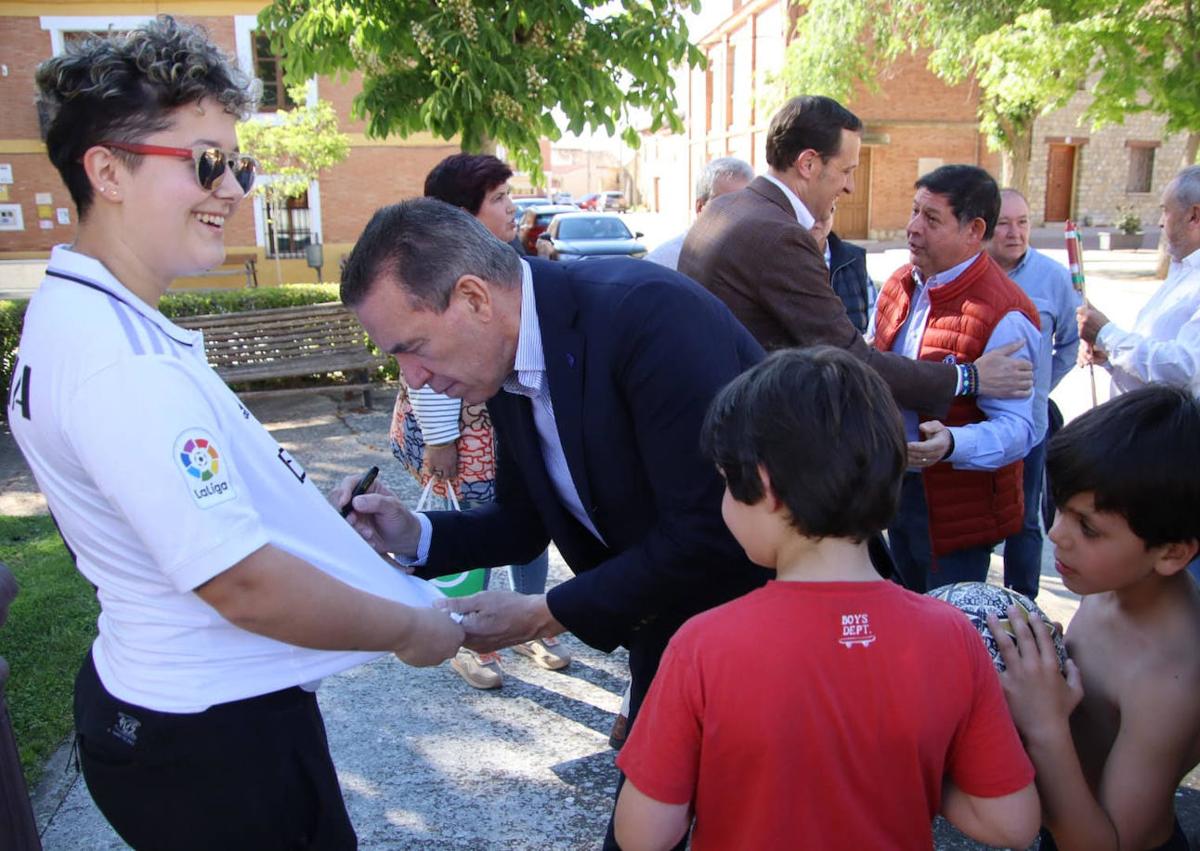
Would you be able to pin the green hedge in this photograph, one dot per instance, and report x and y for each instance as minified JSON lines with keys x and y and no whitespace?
{"x":200,"y":302}
{"x":175,"y":305}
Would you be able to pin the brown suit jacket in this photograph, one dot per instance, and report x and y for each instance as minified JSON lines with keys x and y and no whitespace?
{"x":748,"y":249}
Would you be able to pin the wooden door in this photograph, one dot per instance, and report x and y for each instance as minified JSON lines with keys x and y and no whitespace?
{"x":1060,"y":181}
{"x":852,"y":220}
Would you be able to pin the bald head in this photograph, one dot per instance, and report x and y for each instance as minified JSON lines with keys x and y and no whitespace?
{"x":1010,"y":241}
{"x":1181,"y":213}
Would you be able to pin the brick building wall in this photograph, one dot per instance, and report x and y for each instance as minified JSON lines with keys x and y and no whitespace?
{"x":1102,"y":163}
{"x":377,"y":172}
{"x":915,"y":120}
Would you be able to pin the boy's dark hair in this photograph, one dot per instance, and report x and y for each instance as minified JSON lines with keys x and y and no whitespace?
{"x":808,"y":121}
{"x":465,"y":179}
{"x":1138,"y":455}
{"x":824,"y":427}
{"x":122,"y":88}
{"x":971,"y":191}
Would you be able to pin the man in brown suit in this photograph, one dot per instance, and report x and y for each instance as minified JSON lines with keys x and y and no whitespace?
{"x":753,"y":250}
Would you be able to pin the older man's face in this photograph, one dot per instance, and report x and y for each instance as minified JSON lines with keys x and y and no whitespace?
{"x":464,"y":352}
{"x":1011,"y":239}
{"x":1180,"y":224}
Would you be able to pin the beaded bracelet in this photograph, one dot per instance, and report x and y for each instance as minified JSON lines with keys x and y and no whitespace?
{"x":969,"y":373}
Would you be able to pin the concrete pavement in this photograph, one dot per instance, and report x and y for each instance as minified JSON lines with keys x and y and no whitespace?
{"x":427,"y":762}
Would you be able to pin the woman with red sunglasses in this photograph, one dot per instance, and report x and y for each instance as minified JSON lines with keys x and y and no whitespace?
{"x":228,"y":585}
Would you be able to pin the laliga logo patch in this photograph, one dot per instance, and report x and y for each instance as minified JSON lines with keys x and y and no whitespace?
{"x":199,"y":458}
{"x":203,"y":470}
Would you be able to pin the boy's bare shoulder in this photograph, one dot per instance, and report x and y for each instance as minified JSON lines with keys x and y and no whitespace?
{"x":1139,"y":661}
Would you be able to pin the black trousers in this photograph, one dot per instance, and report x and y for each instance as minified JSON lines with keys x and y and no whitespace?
{"x":645,"y":652}
{"x":251,"y":774}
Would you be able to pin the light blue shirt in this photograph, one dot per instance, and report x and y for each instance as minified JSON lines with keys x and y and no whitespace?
{"x":1048,"y":285}
{"x":529,"y":378}
{"x":1007,"y":432}
{"x":1041,"y":277}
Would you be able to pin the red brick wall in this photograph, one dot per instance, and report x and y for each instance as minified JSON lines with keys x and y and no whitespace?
{"x":372,"y":178}
{"x":910,"y":92}
{"x":25,"y":45}
{"x":341,"y":95}
{"x":894,"y":166}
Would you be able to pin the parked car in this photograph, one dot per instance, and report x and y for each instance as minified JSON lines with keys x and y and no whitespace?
{"x":613,"y":201}
{"x":576,"y":236}
{"x":534,"y":221}
{"x":563,"y":198}
{"x":604,"y":201}
{"x":523,"y":204}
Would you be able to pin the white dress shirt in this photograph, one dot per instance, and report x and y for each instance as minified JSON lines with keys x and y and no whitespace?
{"x":803,"y":216}
{"x":529,"y":378}
{"x":1164,"y":344}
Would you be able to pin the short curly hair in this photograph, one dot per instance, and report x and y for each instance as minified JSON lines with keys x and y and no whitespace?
{"x":125,"y":86}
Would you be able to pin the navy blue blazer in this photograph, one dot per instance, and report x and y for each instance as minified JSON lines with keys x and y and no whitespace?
{"x":634,"y":354}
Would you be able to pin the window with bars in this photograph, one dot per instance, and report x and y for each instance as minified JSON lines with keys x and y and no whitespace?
{"x":268,"y":67}
{"x":289,"y":227}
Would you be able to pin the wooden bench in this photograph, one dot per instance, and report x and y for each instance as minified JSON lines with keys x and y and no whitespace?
{"x":285,"y":342}
{"x":236,"y":264}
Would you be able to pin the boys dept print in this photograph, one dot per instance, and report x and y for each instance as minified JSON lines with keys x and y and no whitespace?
{"x":207,"y":476}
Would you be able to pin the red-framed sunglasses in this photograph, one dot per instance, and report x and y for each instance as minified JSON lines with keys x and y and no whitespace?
{"x":210,"y":162}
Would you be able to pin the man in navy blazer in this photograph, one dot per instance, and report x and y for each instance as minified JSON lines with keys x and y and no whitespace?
{"x":597,"y":374}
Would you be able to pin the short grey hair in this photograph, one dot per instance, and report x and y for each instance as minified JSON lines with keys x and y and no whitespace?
{"x":424,"y":246}
{"x":1185,"y":187}
{"x":721,"y":167}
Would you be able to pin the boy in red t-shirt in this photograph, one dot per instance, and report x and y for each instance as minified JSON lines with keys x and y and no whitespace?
{"x":876,"y":709}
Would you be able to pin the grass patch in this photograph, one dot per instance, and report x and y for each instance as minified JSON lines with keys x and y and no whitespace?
{"x":50,"y":626}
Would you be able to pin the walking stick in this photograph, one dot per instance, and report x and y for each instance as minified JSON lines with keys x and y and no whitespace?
{"x":1075,"y":260}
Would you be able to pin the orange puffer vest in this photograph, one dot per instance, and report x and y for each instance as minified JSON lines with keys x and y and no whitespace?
{"x":967,"y":508}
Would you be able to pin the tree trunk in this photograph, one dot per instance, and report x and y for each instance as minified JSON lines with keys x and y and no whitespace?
{"x":1014,"y":162}
{"x":1189,"y":158}
{"x":487,"y":145}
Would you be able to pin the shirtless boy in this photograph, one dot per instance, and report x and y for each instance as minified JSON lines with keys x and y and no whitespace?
{"x":1112,"y":740}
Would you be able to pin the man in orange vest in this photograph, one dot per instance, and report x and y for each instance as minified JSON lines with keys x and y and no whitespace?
{"x":952,"y":303}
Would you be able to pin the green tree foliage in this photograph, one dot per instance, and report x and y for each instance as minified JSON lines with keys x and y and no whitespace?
{"x":493,"y":73}
{"x":1149,"y":61}
{"x":1025,"y":59}
{"x":293,"y":145}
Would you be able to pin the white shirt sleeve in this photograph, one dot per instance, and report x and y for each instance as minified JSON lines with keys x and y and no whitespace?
{"x":1007,"y":433}
{"x":422,"y":544}
{"x":437,"y":415}
{"x":153,"y":444}
{"x":1175,"y":361}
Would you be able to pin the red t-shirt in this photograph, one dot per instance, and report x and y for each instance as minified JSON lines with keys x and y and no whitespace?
{"x":823,"y":715}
